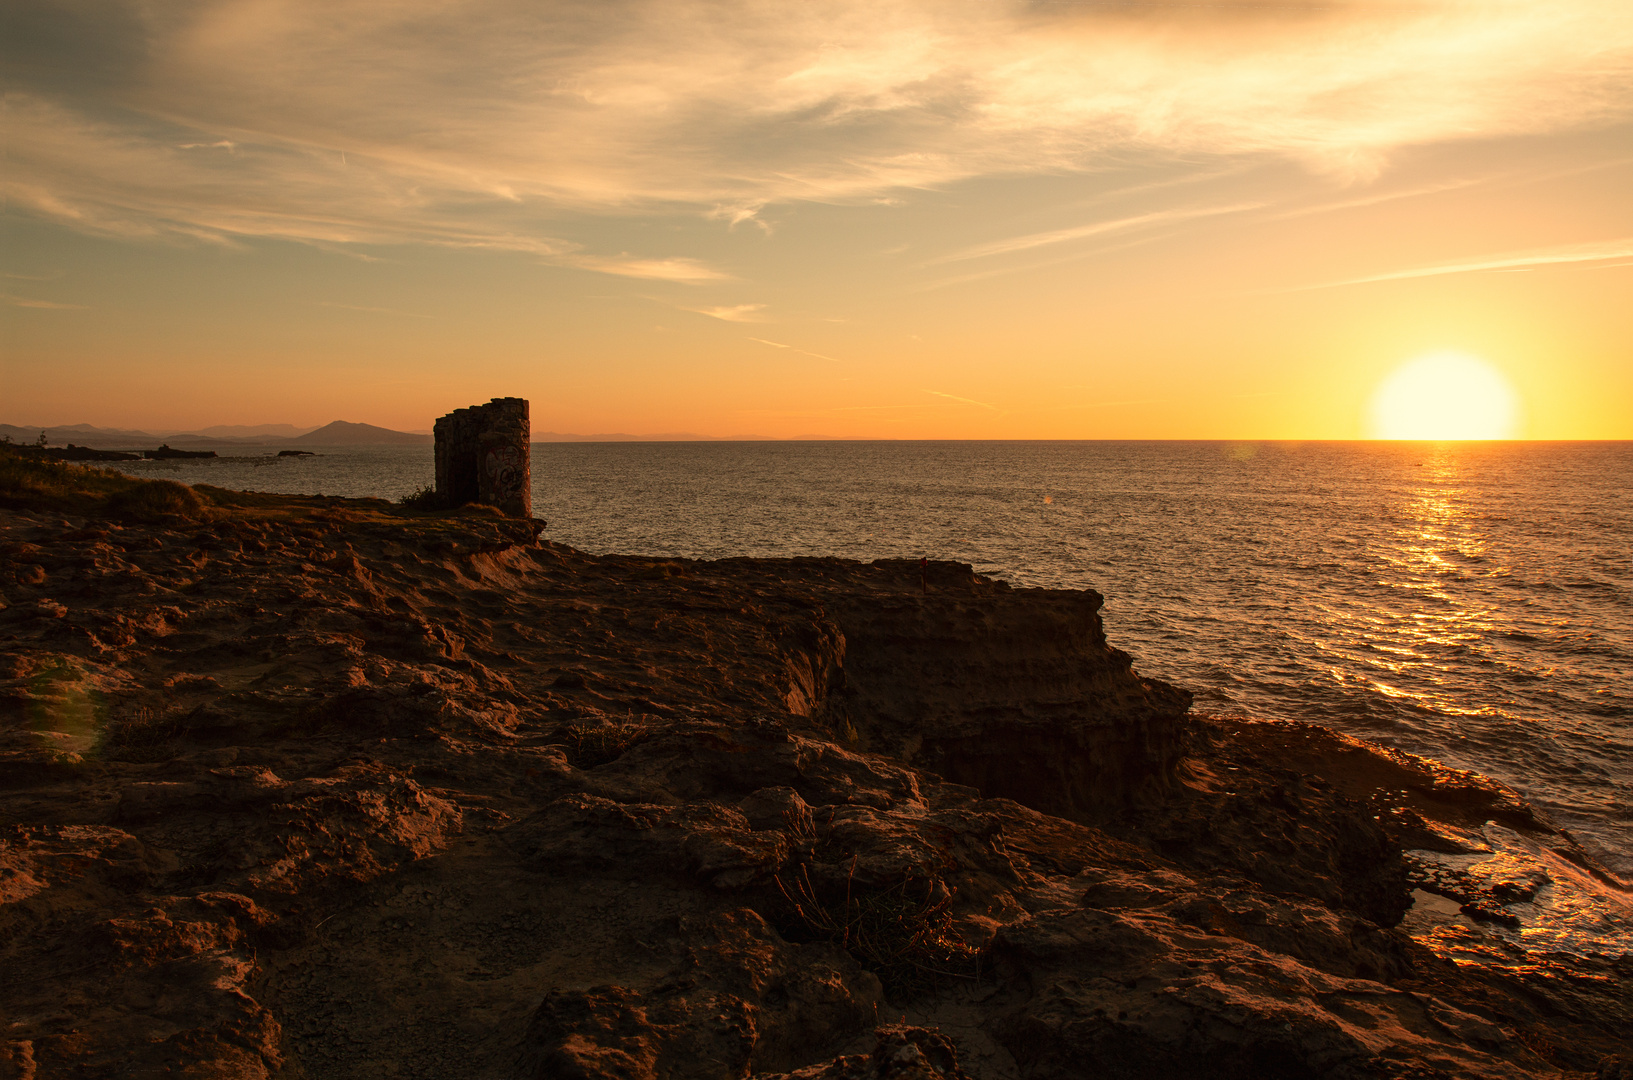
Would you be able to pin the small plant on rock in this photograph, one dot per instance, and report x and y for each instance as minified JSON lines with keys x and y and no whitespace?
{"x":589,"y":745}
{"x":142,"y":736}
{"x":903,"y":932}
{"x":426,"y":498}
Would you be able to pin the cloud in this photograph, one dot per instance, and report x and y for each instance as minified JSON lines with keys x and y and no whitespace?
{"x":735,"y":215}
{"x":1083,"y":232}
{"x":1381,"y":197}
{"x":683,"y":270}
{"x":1039,"y":264}
{"x":489,"y":124}
{"x":734,"y":313}
{"x":963,"y":400}
{"x":1599,"y":251}
{"x":881,"y":408}
{"x":374,"y":310}
{"x":30,"y":302}
{"x":791,"y":348}
{"x":1113,"y":404}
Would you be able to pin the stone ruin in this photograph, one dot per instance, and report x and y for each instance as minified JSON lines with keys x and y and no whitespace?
{"x":483,"y":457}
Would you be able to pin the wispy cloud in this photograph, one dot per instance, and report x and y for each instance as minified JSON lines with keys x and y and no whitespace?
{"x":420,"y":121}
{"x":883,"y":408}
{"x":791,"y":348}
{"x":964,"y":400}
{"x":1601,"y":251}
{"x":684,"y":271}
{"x":739,"y":313}
{"x":1110,"y":404}
{"x":1036,"y":264}
{"x":1084,"y":232}
{"x":1516,"y":177}
{"x":1338,"y":205}
{"x":735,"y":214}
{"x":30,"y":302}
{"x":374,"y":310}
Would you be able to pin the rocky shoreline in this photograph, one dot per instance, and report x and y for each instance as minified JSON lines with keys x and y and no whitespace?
{"x":304,"y":787}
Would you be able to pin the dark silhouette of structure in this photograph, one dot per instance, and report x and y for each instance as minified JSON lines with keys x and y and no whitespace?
{"x":483,"y":457}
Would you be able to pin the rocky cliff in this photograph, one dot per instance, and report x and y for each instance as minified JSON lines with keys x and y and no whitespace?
{"x":313,"y":788}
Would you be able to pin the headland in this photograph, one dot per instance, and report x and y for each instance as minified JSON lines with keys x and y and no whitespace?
{"x":308,"y":787}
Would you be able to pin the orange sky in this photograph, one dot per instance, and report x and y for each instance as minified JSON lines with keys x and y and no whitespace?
{"x":918,"y":220}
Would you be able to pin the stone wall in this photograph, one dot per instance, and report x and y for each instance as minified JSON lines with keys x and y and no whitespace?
{"x":483,"y":456}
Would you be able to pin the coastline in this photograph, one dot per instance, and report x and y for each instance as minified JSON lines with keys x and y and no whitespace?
{"x":1413,"y":615}
{"x":299,"y":786}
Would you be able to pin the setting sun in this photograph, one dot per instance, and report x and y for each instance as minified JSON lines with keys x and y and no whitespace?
{"x":1444,"y":396}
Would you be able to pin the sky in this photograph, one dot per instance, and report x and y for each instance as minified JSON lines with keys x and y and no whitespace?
{"x":943,"y":219}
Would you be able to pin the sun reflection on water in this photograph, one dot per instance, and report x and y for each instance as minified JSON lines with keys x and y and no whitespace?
{"x":1438,"y":548}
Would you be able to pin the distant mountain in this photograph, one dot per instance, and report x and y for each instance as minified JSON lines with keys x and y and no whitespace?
{"x":252,"y":431}
{"x":83,"y":435}
{"x":339,"y":433}
{"x":342,"y":433}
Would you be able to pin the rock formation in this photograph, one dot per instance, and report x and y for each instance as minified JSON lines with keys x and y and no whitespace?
{"x":85,"y":453}
{"x":483,"y":455}
{"x":302,"y":787}
{"x":166,"y":452}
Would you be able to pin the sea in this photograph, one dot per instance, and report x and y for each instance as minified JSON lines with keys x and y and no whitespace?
{"x":1469,"y":602}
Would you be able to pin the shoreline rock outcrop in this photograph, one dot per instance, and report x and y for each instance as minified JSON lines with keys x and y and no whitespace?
{"x":303,"y":787}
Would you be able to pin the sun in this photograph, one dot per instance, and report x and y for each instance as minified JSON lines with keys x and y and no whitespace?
{"x":1444,"y":395}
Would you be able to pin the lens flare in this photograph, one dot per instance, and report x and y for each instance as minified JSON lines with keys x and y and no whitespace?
{"x":1444,"y":396}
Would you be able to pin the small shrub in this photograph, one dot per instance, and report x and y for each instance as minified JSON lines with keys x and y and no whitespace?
{"x":426,"y":498}
{"x":902,"y":932}
{"x":142,"y":736}
{"x":156,"y":501}
{"x":589,"y":745}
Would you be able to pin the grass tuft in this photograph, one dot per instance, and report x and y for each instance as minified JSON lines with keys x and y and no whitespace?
{"x":31,"y":482}
{"x":157,"y":501}
{"x":142,"y":736}
{"x":589,"y":745}
{"x":903,"y":933}
{"x":425,"y":499}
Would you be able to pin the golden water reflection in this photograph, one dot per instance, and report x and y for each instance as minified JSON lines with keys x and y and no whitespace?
{"x":1439,"y":608}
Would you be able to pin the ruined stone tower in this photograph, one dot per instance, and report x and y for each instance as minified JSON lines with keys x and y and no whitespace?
{"x":483,"y":456}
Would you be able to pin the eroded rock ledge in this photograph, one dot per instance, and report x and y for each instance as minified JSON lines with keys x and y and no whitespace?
{"x":309,"y":788}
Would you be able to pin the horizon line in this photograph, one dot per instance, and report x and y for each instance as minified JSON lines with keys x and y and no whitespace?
{"x":555,"y":437}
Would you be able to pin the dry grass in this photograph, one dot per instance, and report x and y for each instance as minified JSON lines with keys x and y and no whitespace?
{"x":426,"y":498}
{"x":589,"y":745}
{"x":30,"y":482}
{"x":157,"y":501}
{"x":902,"y":933}
{"x":142,"y":736}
